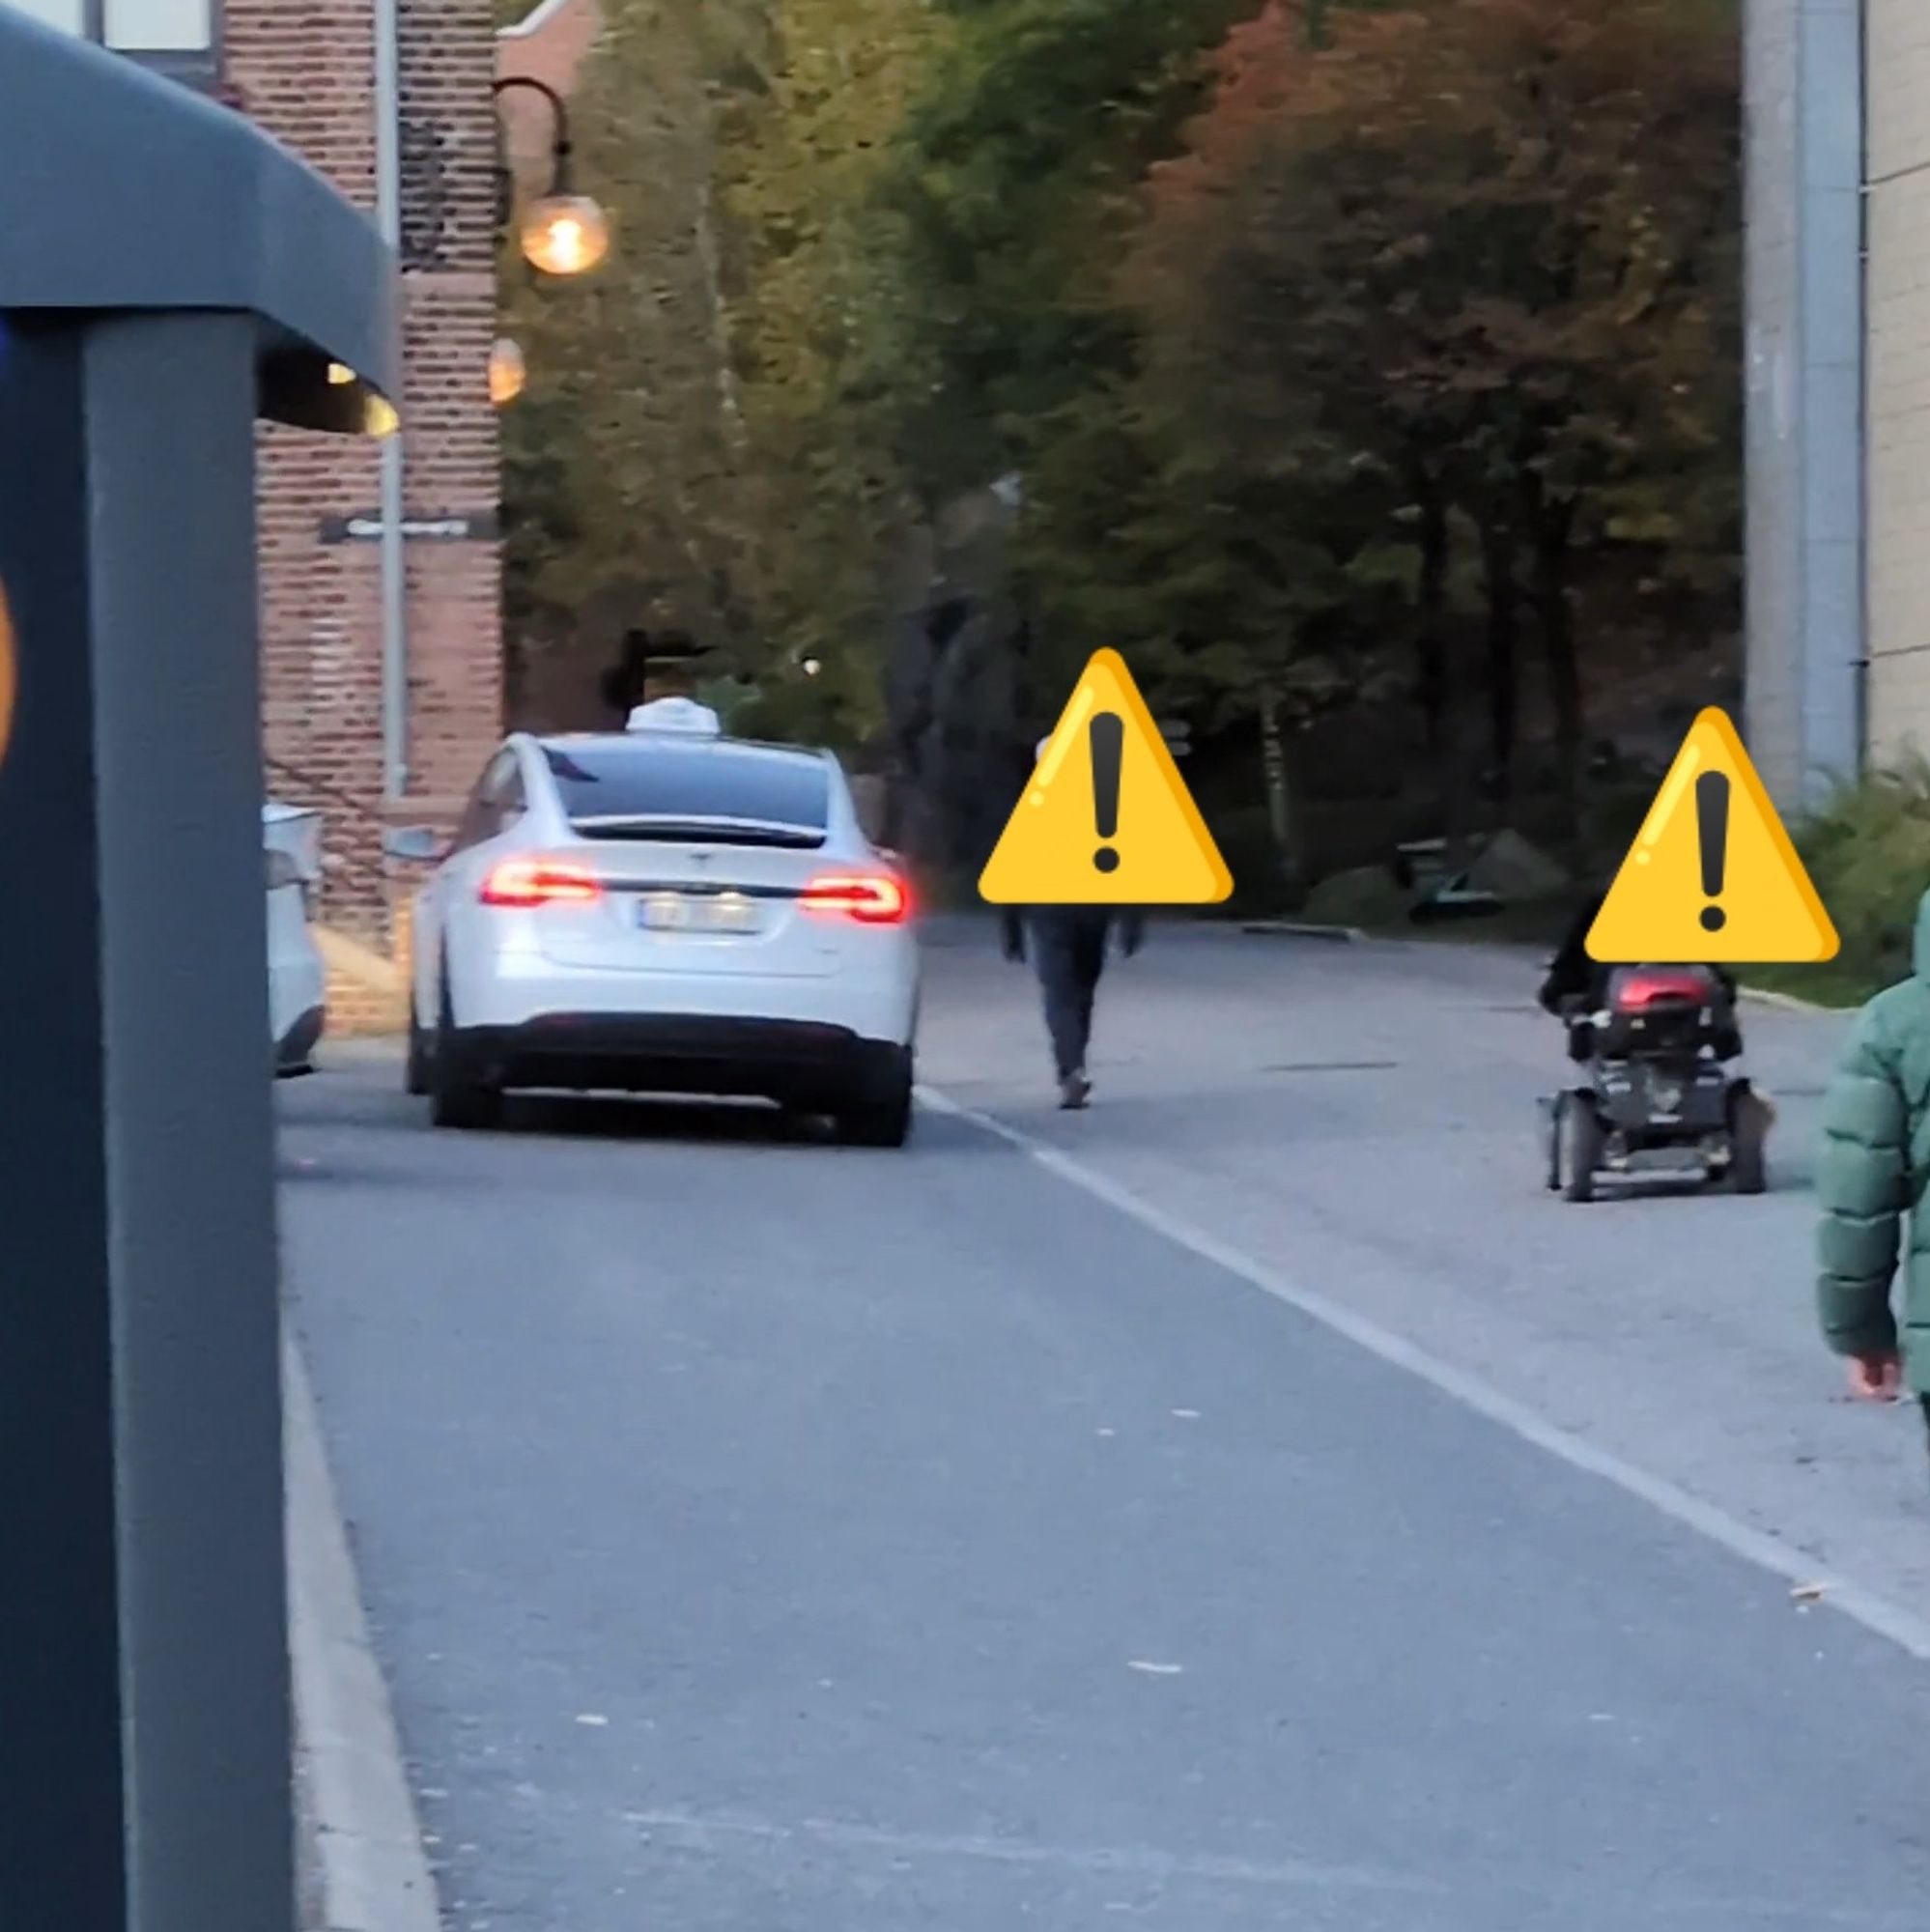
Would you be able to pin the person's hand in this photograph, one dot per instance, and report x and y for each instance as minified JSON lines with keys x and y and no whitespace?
{"x":1876,"y":1377}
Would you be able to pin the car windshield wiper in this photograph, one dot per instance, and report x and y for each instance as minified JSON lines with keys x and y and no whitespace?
{"x":715,"y":831}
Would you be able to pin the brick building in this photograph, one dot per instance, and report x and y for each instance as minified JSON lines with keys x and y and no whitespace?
{"x":348,"y":616}
{"x":308,"y":72}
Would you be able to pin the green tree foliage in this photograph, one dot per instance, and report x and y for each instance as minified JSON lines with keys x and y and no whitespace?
{"x":1484,"y":252}
{"x":1335,"y":349}
{"x":621,"y":460}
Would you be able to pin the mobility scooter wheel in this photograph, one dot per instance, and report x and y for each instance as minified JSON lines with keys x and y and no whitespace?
{"x":1577,"y":1146}
{"x":1749,"y":1142}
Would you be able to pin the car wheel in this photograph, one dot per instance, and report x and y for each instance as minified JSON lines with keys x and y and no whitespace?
{"x":1577,"y":1146}
{"x":1550,"y":1131}
{"x":1748,"y":1142}
{"x":884,"y":1118}
{"x":416,"y":1068}
{"x":455,"y":1097}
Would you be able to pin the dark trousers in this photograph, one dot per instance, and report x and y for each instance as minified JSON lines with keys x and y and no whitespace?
{"x":1068,"y":955}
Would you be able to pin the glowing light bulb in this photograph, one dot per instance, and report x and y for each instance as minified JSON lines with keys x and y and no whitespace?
{"x":507,"y":372}
{"x":565,"y":234}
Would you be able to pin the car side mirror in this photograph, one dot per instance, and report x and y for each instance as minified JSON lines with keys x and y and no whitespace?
{"x":417,"y":843}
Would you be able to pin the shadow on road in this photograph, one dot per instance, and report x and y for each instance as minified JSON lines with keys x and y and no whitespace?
{"x":344,"y":1099}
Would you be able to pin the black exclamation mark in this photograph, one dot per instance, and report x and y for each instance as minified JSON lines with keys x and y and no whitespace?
{"x":1108,"y":739}
{"x":1712,"y":824}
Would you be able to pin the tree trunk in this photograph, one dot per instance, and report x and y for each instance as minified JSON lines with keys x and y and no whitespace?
{"x":1279,"y":789}
{"x":1554,"y":612}
{"x":1504,"y":624}
{"x":515,"y":673}
{"x":1430,"y":638}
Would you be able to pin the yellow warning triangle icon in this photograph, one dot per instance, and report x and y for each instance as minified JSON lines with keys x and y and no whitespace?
{"x":1712,"y":875}
{"x":1106,"y":818}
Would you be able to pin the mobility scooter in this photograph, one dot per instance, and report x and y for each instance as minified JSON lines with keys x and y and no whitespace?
{"x":1653,"y":1045}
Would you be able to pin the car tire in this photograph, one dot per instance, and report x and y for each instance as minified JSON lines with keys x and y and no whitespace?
{"x":1749,"y":1144}
{"x":883,"y":1119}
{"x":455,"y":1097}
{"x":1577,"y":1146}
{"x":416,"y":1067}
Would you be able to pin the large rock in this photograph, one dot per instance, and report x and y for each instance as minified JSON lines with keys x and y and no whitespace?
{"x":1365,"y":895}
{"x":1513,"y":869}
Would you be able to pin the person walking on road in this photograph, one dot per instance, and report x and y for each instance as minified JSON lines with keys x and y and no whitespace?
{"x":670,"y":697}
{"x":1874,"y":1171}
{"x":1068,"y":948}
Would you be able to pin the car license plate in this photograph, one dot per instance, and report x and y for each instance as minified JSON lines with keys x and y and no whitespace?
{"x":690,"y":912}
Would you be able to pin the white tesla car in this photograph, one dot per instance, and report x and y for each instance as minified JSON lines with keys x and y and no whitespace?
{"x":666,"y":911}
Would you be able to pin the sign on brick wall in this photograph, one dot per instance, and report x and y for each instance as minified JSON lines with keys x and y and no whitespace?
{"x":458,"y":527}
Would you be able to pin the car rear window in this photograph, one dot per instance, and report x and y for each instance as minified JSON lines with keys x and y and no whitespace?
{"x":666,"y":790}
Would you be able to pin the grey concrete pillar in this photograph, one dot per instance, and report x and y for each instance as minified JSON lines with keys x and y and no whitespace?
{"x":166,"y":274}
{"x":1806,"y":651}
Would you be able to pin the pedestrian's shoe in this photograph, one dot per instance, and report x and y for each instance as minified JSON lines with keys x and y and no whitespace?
{"x":1075,"y":1089}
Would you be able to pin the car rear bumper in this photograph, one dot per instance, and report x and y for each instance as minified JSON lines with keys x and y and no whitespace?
{"x":672,"y":1053}
{"x":875,"y":1000}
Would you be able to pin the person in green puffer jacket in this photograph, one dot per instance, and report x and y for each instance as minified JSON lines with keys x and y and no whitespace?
{"x":1873,"y":1174}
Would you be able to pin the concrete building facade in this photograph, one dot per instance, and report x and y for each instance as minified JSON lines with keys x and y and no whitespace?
{"x":1803,"y":358}
{"x":1838,"y":125}
{"x":1897,"y":336}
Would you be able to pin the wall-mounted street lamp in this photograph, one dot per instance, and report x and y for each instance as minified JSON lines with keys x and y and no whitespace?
{"x":507,"y":371}
{"x":561,"y":233}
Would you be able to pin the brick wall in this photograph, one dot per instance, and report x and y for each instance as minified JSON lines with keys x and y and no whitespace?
{"x":1898,"y":394}
{"x":305,"y":69}
{"x":448,"y":196}
{"x":550,"y":44}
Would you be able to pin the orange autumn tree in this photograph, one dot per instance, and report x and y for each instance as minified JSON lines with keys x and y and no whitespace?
{"x":1483,"y":255}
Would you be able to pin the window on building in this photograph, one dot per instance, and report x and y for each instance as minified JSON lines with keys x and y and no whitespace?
{"x":181,"y":37}
{"x":70,"y":15}
{"x":158,"y":26}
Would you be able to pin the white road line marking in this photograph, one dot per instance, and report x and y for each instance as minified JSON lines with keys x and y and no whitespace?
{"x":719,"y":1835}
{"x":1902,"y":1627}
{"x":711,"y":1833}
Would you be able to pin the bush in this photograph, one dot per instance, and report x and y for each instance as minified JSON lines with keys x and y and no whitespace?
{"x":1868,"y":852}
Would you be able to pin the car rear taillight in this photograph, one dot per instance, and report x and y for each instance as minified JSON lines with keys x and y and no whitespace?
{"x":539,"y":882}
{"x":877,"y":898}
{"x":1651,"y":988}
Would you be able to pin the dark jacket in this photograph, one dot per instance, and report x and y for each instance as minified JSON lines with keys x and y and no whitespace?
{"x":1574,"y":976}
{"x":1871,"y":1178}
{"x":1070,"y":923}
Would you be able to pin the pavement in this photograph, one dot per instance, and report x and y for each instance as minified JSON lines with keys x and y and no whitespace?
{"x":1253,"y":1503}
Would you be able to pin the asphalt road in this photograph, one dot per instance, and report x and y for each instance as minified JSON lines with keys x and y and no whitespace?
{"x":769,"y":1536}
